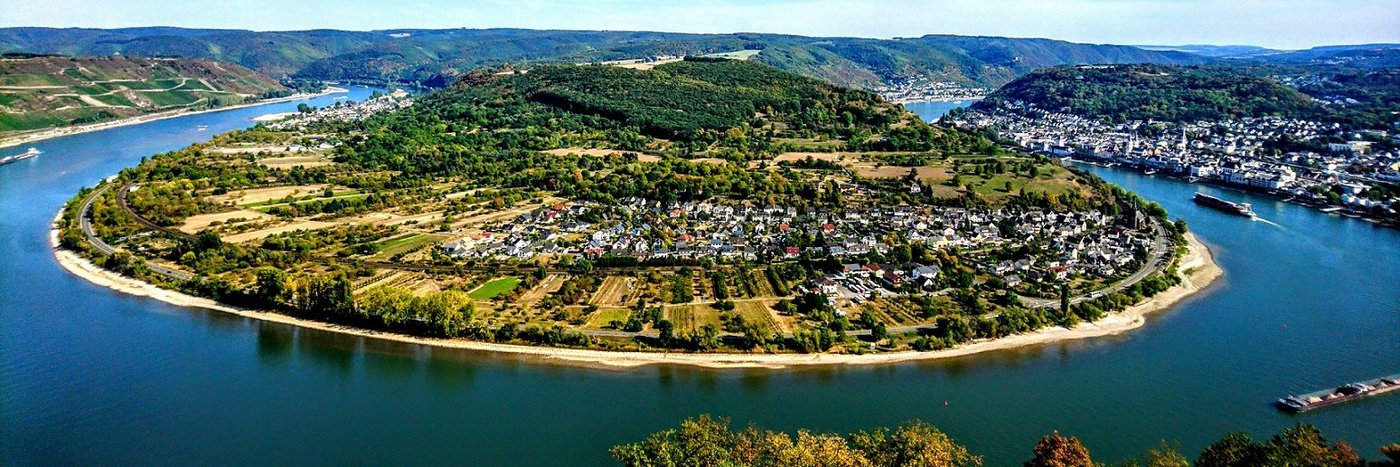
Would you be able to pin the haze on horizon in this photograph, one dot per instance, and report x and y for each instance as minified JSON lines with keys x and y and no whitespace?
{"x":1284,"y":24}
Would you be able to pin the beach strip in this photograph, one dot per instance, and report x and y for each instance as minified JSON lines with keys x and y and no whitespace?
{"x":1198,"y":261}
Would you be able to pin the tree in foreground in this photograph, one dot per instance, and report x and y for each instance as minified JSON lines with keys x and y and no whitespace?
{"x":1300,"y":445}
{"x":708,"y":441}
{"x":1058,"y":451}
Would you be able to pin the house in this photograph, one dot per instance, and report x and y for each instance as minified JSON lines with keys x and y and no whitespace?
{"x":924,"y":272}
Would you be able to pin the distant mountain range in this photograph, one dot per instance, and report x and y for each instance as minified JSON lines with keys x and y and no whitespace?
{"x":1359,"y":55}
{"x":435,"y":57}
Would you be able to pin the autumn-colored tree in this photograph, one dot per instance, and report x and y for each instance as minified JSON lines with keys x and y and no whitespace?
{"x":1300,"y":446}
{"x":1392,"y":453}
{"x":1058,"y":451}
{"x":914,"y":444}
{"x":706,"y":441}
{"x":1166,"y":456}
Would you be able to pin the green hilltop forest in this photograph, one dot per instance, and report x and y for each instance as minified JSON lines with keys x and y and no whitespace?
{"x":41,"y":92}
{"x":1355,"y":96}
{"x":1162,"y":93}
{"x":435,"y":57}
{"x":708,"y":441}
{"x":494,"y":127}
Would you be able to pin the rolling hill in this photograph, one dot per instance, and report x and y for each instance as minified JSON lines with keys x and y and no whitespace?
{"x":1156,"y":92}
{"x":435,"y":57}
{"x":41,"y":92}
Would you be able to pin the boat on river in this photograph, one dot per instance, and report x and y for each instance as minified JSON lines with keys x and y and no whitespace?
{"x":1238,"y":209}
{"x":31,"y":153}
{"x":1353,"y":391}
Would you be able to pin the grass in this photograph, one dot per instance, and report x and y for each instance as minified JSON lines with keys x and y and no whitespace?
{"x":601,"y":318}
{"x":404,"y":244}
{"x":263,"y":205}
{"x":756,"y":312}
{"x":690,"y":318}
{"x":1052,"y":180}
{"x":494,"y":288}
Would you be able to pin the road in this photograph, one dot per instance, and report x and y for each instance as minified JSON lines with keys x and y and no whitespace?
{"x":1161,"y":245}
{"x":85,"y":221}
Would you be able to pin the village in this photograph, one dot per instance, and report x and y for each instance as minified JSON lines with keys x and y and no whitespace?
{"x":1240,"y":153}
{"x":1076,"y":244}
{"x":345,"y":112}
{"x":928,"y":89}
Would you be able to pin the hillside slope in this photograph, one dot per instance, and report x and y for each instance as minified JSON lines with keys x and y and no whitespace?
{"x":42,"y":92}
{"x":435,"y":57}
{"x":1163,"y":93}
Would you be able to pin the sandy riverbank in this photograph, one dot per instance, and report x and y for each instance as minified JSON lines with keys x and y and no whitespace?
{"x":50,"y":133}
{"x":1199,"y":260}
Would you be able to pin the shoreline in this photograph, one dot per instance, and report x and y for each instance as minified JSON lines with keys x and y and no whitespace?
{"x":941,"y":99}
{"x":1198,"y":259}
{"x":51,"y":133}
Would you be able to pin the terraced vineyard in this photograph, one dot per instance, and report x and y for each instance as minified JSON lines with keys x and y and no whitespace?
{"x":47,"y":92}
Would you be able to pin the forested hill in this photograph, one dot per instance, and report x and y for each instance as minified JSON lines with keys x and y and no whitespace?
{"x":699,"y":99}
{"x":699,"y":122}
{"x":1162,"y":93}
{"x":434,"y":57}
{"x":40,"y":92}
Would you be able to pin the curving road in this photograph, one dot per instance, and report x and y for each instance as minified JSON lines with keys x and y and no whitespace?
{"x":85,"y":221}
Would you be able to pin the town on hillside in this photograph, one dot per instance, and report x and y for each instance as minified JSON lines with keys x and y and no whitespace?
{"x":1264,"y":154}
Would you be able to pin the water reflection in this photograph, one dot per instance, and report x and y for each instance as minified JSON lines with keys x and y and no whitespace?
{"x":275,"y":343}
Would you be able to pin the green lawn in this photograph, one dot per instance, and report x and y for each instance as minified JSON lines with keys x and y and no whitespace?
{"x":496,"y":287}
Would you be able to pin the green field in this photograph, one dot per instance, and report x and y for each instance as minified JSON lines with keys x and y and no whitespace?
{"x":404,"y":244}
{"x":600,"y":319}
{"x":496,"y":287}
{"x":344,"y":194}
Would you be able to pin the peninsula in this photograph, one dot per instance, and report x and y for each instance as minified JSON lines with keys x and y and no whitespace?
{"x":732,"y":211}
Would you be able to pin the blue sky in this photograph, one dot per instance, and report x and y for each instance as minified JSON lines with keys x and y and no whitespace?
{"x":1272,"y":23}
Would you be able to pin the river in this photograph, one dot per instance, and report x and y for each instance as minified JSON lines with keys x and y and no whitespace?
{"x":90,"y":376}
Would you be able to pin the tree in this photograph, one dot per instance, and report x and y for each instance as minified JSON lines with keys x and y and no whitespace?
{"x":1058,"y":451}
{"x":913,"y":444}
{"x":699,"y":441}
{"x":708,"y":338}
{"x":879,"y":332}
{"x":1166,"y":456}
{"x":668,"y":332}
{"x":272,"y":286}
{"x":1229,"y":451}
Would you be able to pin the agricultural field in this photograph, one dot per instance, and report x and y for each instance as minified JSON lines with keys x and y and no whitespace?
{"x":690,"y":318}
{"x":43,"y":92}
{"x":404,"y":243}
{"x":494,"y":288}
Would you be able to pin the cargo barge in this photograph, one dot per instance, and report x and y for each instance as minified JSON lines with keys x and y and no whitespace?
{"x":1353,"y":391}
{"x":1238,"y":209}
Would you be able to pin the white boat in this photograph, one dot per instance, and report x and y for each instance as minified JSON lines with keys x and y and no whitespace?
{"x":32,"y":152}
